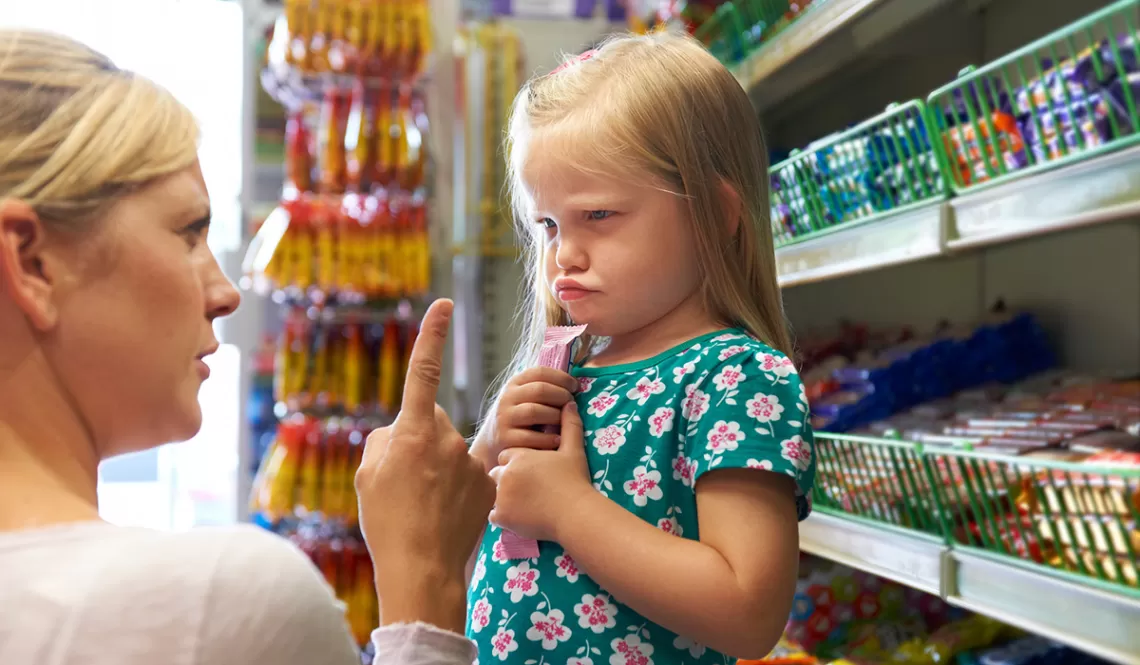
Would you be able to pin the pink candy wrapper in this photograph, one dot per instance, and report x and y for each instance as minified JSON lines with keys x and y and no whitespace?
{"x":555,"y":352}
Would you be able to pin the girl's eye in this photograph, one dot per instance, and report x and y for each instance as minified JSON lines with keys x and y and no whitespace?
{"x":547,"y":223}
{"x":597,"y":215}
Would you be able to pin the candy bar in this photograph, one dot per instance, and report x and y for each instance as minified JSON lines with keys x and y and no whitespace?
{"x":555,"y":352}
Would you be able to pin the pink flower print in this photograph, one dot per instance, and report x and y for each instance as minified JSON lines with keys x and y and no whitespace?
{"x":480,"y":615}
{"x":661,"y":421}
{"x":596,"y":613}
{"x":497,"y":553}
{"x":645,"y":388}
{"x":685,"y":644}
{"x":765,"y":465}
{"x":695,"y":404}
{"x":585,"y":383}
{"x":631,"y":651}
{"x":780,"y":365}
{"x":503,"y":643}
{"x":679,"y":373}
{"x":548,"y":629}
{"x":522,"y":580}
{"x":670,"y":525}
{"x":601,"y":404}
{"x":724,"y":436}
{"x":684,"y":469}
{"x":797,"y":451}
{"x":480,"y":571}
{"x":729,"y":378}
{"x":765,"y":408}
{"x":585,"y":660}
{"x":645,"y":486}
{"x":731,"y":351}
{"x":609,"y":440}
{"x":567,"y":568}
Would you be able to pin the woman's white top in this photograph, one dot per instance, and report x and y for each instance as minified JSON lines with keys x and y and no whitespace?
{"x":99,"y":594}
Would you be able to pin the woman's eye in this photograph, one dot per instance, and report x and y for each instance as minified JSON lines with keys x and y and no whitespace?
{"x":596,"y":215}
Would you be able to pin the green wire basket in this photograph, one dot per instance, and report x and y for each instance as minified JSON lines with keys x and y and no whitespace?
{"x":886,"y":164}
{"x":1068,"y":96}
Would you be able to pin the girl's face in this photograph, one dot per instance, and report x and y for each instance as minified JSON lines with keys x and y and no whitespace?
{"x":133,"y":306}
{"x":618,"y":256}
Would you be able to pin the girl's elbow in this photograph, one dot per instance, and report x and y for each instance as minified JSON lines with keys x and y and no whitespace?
{"x":757,"y":633}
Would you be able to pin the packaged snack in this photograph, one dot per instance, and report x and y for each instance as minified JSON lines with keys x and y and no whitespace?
{"x":1026,"y":651}
{"x":555,"y":352}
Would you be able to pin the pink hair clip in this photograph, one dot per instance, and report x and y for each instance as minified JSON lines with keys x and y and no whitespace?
{"x":582,"y":57}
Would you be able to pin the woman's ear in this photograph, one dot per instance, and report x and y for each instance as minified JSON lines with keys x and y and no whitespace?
{"x":24,"y":274}
{"x":733,"y":207}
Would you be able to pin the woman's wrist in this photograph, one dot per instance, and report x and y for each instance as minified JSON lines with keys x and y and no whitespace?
{"x":422,"y":592}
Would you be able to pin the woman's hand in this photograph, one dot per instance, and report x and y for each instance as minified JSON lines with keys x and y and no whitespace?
{"x":537,"y":487}
{"x":424,"y":499}
{"x":532,"y":399}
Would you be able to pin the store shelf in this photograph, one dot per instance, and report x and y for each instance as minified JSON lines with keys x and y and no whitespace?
{"x":1100,"y":622}
{"x":907,"y":558}
{"x":1101,"y":190}
{"x":895,"y":239}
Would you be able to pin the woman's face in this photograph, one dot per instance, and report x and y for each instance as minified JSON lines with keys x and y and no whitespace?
{"x":134,"y":317}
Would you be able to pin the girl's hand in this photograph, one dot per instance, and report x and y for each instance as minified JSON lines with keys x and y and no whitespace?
{"x":533,"y":398}
{"x":536,"y":487}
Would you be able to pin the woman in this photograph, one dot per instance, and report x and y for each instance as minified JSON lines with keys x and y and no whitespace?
{"x":107,"y":295}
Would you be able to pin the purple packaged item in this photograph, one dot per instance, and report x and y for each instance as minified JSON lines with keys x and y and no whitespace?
{"x":555,"y":352}
{"x":543,"y":9}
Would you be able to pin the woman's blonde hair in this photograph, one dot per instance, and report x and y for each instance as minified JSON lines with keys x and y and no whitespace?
{"x":77,"y":133}
{"x":661,"y":109}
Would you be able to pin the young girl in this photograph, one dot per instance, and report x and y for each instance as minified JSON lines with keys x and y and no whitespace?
{"x":670,"y":534}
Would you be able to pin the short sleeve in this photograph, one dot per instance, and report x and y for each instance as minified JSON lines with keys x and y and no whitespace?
{"x":749,"y":410}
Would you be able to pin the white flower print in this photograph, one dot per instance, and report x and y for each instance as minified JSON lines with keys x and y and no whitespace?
{"x":631,"y":651}
{"x":480,"y":571}
{"x":670,"y":525}
{"x":765,"y":408}
{"x":724,"y":437}
{"x":609,"y":440}
{"x":480,"y":615}
{"x":695,"y":404}
{"x":803,"y":405}
{"x":522,"y":581}
{"x":685,"y":644}
{"x":731,"y":351}
{"x":679,"y":373}
{"x":727,"y":337}
{"x":596,"y":613}
{"x":781,"y":366}
{"x":548,"y":629}
{"x":684,"y":469}
{"x":601,"y":404}
{"x":567,"y":568}
{"x":661,"y":421}
{"x":797,"y":451}
{"x":585,"y":383}
{"x":645,"y":486}
{"x":503,"y":643}
{"x":729,"y":377}
{"x":765,"y":465}
{"x":498,"y":555}
{"x":644,"y":389}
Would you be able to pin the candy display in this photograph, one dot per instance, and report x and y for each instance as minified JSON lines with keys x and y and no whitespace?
{"x":886,"y":163}
{"x":730,"y":30}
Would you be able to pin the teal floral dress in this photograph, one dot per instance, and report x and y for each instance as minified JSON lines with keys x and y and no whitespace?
{"x":653,"y":428}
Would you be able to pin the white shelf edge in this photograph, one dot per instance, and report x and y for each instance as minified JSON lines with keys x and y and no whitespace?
{"x":804,"y":33}
{"x":909,"y":560}
{"x":1088,"y":618}
{"x":905,"y":237}
{"x":1103,"y":189}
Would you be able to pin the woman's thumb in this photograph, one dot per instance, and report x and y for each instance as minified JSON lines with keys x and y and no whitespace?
{"x":571,"y":434}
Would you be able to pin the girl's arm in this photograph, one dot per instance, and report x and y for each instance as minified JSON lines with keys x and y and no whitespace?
{"x":731,"y":591}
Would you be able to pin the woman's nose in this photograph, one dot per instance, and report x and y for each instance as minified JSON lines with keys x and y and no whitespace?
{"x":222,"y":297}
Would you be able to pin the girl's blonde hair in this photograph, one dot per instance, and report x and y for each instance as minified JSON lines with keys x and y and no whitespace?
{"x":660,"y":109}
{"x":77,"y":133}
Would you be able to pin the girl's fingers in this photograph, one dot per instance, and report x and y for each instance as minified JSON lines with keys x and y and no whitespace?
{"x":538,"y":393}
{"x":531,"y":414}
{"x":547,"y":375}
{"x":525,"y":438}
